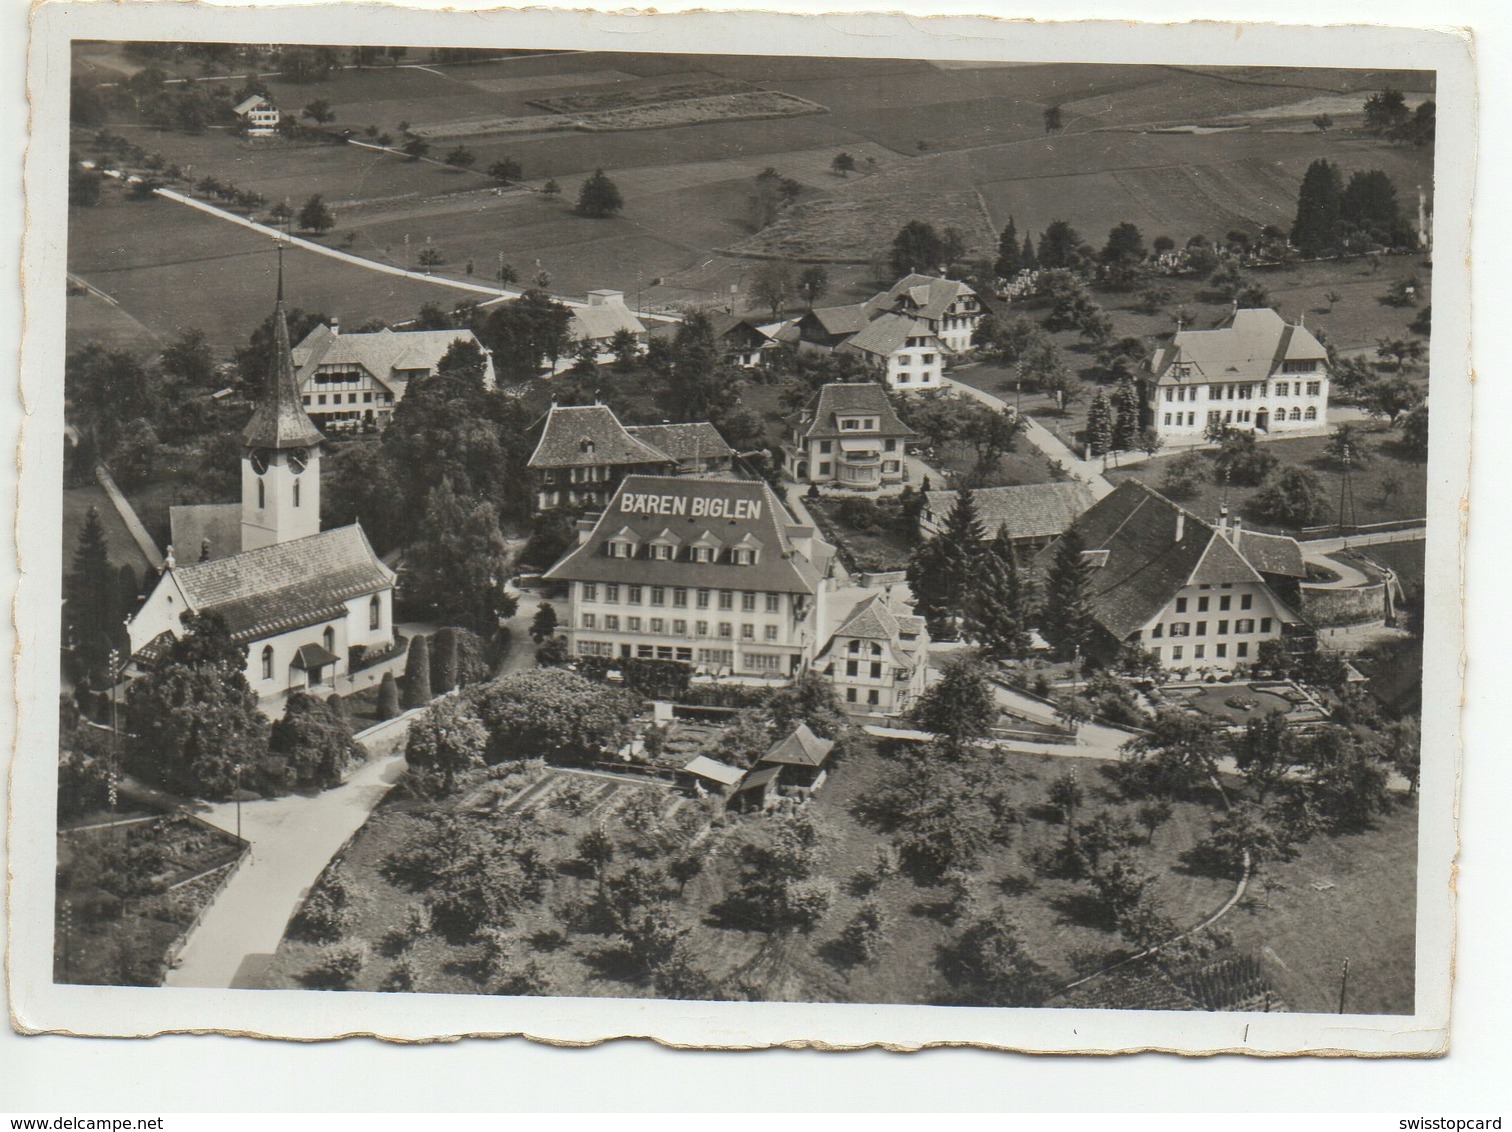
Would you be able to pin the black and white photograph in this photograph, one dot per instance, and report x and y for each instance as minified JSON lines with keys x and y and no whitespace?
{"x":721,"y":529}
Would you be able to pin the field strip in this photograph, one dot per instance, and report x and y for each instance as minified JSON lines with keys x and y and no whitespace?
{"x":370,"y":264}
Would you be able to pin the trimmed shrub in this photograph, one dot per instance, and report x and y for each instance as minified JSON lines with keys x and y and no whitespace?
{"x":444,"y":675}
{"x":337,"y":967}
{"x":388,"y":697}
{"x":416,"y":691}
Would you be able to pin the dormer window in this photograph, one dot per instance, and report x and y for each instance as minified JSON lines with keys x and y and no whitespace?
{"x":618,"y":548}
{"x":746,"y":552}
{"x":664,"y":546}
{"x":586,"y":447}
{"x":745,"y":557}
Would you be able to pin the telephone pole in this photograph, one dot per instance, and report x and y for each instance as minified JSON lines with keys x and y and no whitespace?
{"x":1346,"y":493}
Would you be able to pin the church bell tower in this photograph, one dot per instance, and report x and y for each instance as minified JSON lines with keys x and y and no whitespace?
{"x":280,"y":451}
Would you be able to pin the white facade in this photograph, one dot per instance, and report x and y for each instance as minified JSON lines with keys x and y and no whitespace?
{"x":1215,"y":626}
{"x":917,"y":365}
{"x":280,"y":495}
{"x":261,"y":117}
{"x":1295,"y":401}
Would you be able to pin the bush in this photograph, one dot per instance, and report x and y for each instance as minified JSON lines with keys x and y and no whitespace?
{"x":444,"y":660}
{"x":388,"y":697}
{"x":324,"y":917}
{"x":417,"y":674}
{"x":337,"y":967}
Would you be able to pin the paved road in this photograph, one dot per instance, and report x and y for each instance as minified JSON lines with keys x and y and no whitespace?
{"x":292,"y":840}
{"x":1330,"y":545}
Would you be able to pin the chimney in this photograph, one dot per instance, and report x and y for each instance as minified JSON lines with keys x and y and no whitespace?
{"x":605,"y":297}
{"x":1180,"y":525}
{"x":335,"y":327}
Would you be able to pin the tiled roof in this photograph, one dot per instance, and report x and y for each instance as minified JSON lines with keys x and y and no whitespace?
{"x":279,"y":420}
{"x":380,"y":353}
{"x":1272,"y":554}
{"x":1252,"y":346}
{"x":779,"y":567}
{"x":756,"y":779}
{"x":698,"y":440}
{"x":928,"y":296}
{"x":719,"y":772}
{"x":842,"y":320}
{"x":871,"y":619}
{"x":191,"y":526}
{"x":1028,"y":510}
{"x":602,"y":321}
{"x":154,"y":650}
{"x":569,"y":431}
{"x":1146,"y":564}
{"x":848,"y":398}
{"x":800,"y":748}
{"x":251,"y":102}
{"x":888,"y":334}
{"x":286,"y":585}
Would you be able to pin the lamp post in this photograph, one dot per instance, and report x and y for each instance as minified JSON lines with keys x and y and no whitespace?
{"x":237,"y":767}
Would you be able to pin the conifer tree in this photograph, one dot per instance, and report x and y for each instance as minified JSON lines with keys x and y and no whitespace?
{"x":1028,"y":261}
{"x":998,"y":607}
{"x":1100,"y":424}
{"x":1009,"y":259}
{"x":1319,"y":224}
{"x":1125,"y":403}
{"x":417,"y":674}
{"x":92,"y":586}
{"x":444,"y":660}
{"x":388,"y":697}
{"x":1066,"y":616}
{"x":940,"y":572}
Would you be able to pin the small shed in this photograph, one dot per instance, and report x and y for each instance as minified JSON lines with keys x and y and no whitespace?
{"x":757,"y":790}
{"x":800,"y":757}
{"x":710,"y":775}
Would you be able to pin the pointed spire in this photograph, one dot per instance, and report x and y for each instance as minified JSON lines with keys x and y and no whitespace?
{"x":279,"y":421}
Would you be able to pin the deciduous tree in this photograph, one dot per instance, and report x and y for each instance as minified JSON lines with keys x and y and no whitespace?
{"x":599,"y":196}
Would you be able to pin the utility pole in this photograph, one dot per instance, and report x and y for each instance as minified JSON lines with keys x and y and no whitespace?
{"x":1346,"y":492}
{"x":1343,"y":985}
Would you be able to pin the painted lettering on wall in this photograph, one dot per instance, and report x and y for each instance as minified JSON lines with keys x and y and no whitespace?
{"x":697,"y":506}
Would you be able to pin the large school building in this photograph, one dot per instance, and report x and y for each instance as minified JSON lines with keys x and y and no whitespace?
{"x":712,"y":572}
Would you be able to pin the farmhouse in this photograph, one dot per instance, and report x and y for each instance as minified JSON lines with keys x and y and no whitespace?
{"x":582,"y":453}
{"x":303,"y":602}
{"x":949,"y":308}
{"x":849,"y":437}
{"x":822,"y":329}
{"x":1259,"y":373}
{"x":795,"y":761}
{"x":712,"y":572}
{"x":350,"y":381}
{"x":902,"y":351}
{"x":1034,"y":514}
{"x":259,"y":116}
{"x":878,"y":657}
{"x":1198,"y":596}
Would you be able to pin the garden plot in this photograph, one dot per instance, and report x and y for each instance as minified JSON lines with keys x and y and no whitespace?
{"x":625,"y":97}
{"x":527,"y":84}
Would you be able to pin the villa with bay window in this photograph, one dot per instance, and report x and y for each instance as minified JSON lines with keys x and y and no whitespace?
{"x":849,"y":437}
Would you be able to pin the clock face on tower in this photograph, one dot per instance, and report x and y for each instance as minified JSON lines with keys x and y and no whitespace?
{"x":298,"y":459}
{"x":260,"y":459}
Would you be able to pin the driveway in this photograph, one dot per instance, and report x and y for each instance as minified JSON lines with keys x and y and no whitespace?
{"x":292,"y":840}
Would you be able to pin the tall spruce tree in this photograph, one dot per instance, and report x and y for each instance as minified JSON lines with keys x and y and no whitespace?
{"x":92,"y":590}
{"x":1100,"y":424}
{"x":1066,"y":615}
{"x":1028,"y":260}
{"x":1125,"y":414}
{"x":940,"y":572}
{"x":1000,"y":599}
{"x":1009,"y":259}
{"x":1319,"y":224}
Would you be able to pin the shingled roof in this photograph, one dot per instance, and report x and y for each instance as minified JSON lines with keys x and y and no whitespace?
{"x":279,"y":421}
{"x":744,"y":510}
{"x":800,"y":748}
{"x":698,"y":440}
{"x":381,"y":352}
{"x":847,"y":399}
{"x":1145,"y":564}
{"x":579,"y":435}
{"x":287,"y":585}
{"x":887,"y":334}
{"x":842,"y":320}
{"x":927,"y":296}
{"x":1027,"y":510}
{"x":1253,"y":346}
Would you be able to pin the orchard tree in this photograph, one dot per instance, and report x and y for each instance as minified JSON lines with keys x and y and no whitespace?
{"x":445,"y":741}
{"x":813,"y":284}
{"x":1296,"y":498}
{"x":916,"y":248}
{"x":843,"y":164}
{"x":990,"y":965}
{"x":315,"y":216}
{"x":461,"y":158}
{"x":772,"y":286}
{"x":1415,"y":430}
{"x":319,"y":112}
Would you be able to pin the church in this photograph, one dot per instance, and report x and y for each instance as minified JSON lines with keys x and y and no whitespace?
{"x":304,"y":603}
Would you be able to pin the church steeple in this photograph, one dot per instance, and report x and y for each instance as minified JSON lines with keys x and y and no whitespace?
{"x":280,"y":451}
{"x":279,"y":421}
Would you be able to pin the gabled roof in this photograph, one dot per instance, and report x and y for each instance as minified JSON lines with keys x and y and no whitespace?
{"x":602,"y":321}
{"x":729,"y":510}
{"x":1146,"y":564}
{"x":190,"y":526}
{"x":928,"y":296}
{"x":1253,"y":345}
{"x":849,"y":399}
{"x":251,"y":102}
{"x":568,"y":430}
{"x":698,"y":440}
{"x":887,"y":334}
{"x":715,"y":771}
{"x":385,"y":354}
{"x":286,"y":585}
{"x":756,"y":779}
{"x":800,"y":748}
{"x":841,"y":320}
{"x":724,"y":324}
{"x":279,"y":420}
{"x":1028,"y":510}
{"x":1272,"y":554}
{"x":871,"y":619}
